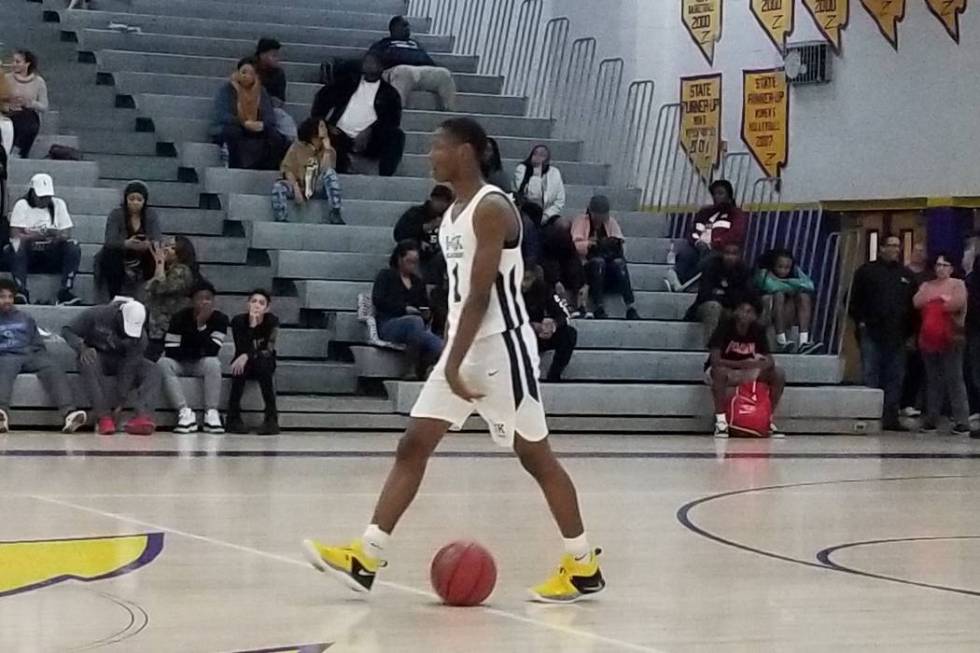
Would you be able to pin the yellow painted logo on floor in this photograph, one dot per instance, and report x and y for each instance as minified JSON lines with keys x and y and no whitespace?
{"x":29,"y":565}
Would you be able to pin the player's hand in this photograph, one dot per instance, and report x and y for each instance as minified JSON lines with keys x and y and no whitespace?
{"x":459,"y":388}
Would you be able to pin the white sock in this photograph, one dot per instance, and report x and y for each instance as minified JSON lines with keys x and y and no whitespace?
{"x":375,"y":540}
{"x":781,"y":339}
{"x":804,"y":337}
{"x":720,"y":418}
{"x":578,"y":547}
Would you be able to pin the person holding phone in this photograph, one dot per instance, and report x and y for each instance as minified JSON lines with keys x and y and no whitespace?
{"x":126,"y":261}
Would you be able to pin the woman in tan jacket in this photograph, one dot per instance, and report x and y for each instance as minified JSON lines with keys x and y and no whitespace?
{"x":308,"y":171}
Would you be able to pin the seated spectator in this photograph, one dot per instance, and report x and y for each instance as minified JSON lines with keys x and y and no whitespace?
{"x":402,"y":307}
{"x":538,"y":182}
{"x":494,"y":170}
{"x":408,"y":67}
{"x":6,"y":124}
{"x":27,"y":99}
{"x":740,"y":354}
{"x":40,"y":240}
{"x":364,"y":115}
{"x":725,"y":283}
{"x":191,"y":348}
{"x":255,"y":333}
{"x":549,"y":321}
{"x":244,"y":121}
{"x":22,"y":351}
{"x":421,"y":224}
{"x":599,"y":242}
{"x":308,"y":172}
{"x":168,"y":291}
{"x":714,"y":226}
{"x":273,"y":79}
{"x":942,"y":303}
{"x":126,"y":260}
{"x":791,"y":293}
{"x":110,"y":340}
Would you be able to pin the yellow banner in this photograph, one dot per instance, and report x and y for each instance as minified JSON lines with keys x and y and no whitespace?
{"x":765,"y":118}
{"x":887,"y":14}
{"x":702,"y":18}
{"x":700,"y":132}
{"x":777,"y":18}
{"x":831,"y":17}
{"x":948,"y":12}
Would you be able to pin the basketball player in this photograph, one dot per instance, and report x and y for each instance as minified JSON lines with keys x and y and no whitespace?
{"x":490,"y":365}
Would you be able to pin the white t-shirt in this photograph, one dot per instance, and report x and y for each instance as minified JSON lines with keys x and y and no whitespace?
{"x":37,"y":219}
{"x":360,"y":113}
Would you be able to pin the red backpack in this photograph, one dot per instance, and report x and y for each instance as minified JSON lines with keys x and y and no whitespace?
{"x":936,"y":333}
{"x":750,"y":411}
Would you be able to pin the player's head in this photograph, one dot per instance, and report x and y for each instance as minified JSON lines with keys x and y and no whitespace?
{"x":747,"y":312}
{"x":8,"y":291}
{"x":459,"y":149}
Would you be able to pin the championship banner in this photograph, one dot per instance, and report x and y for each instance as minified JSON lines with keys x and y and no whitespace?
{"x":887,"y":15}
{"x":702,"y":18}
{"x":777,"y":18}
{"x":700,"y":131}
{"x":831,"y":17}
{"x":948,"y":12}
{"x":765,"y":118}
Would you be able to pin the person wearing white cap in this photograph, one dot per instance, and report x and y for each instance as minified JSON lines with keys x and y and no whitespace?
{"x":110,"y":340}
{"x":40,"y":240}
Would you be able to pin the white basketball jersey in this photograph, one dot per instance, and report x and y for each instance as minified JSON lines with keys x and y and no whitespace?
{"x":458,"y":240}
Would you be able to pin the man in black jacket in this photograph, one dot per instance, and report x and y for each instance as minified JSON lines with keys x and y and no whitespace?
{"x":273,"y":79}
{"x":549,"y":321}
{"x":881,"y":307}
{"x":363,"y":113}
{"x":421,"y":224}
{"x":726,"y":281}
{"x":408,"y":67}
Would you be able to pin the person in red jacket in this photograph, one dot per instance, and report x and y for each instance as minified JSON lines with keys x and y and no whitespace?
{"x":714,"y":227}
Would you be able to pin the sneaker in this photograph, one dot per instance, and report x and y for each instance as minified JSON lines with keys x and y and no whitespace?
{"x":22,"y":298}
{"x":774,"y":431}
{"x":721,"y":428}
{"x":335,"y":217}
{"x":631,"y":314}
{"x":74,"y":420}
{"x":186,"y":421}
{"x":67,"y":298}
{"x":212,"y":422}
{"x":589,"y":315}
{"x":599,"y":313}
{"x":269,"y":427}
{"x":4,"y":421}
{"x":577,"y":314}
{"x":912,"y":411}
{"x":960,"y":429}
{"x":235,"y":425}
{"x":107,"y":426}
{"x":573,"y":581}
{"x":351,"y":565}
{"x":810,"y":348}
{"x":927,"y":427}
{"x":140,"y":425}
{"x":672,"y":282}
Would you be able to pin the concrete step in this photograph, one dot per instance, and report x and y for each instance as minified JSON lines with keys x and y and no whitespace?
{"x":109,"y":119}
{"x":293,"y":264}
{"x":44,"y":142}
{"x":242,"y":279}
{"x":198,"y":222}
{"x":147,"y":168}
{"x":163,"y":193}
{"x":128,"y":143}
{"x":63,"y":173}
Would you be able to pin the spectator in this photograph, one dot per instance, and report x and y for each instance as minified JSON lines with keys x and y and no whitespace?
{"x":402,"y":307}
{"x":421,"y":224}
{"x":191,"y":346}
{"x":494,"y":172}
{"x":942,"y":303}
{"x":599,"y":242}
{"x":726,"y":282}
{"x":244,"y":121}
{"x":915,"y":372}
{"x":539,"y":182}
{"x":126,"y":260}
{"x":6,"y":125}
{"x":714,"y":226}
{"x":740,"y":354}
{"x":549,"y":320}
{"x":881,"y":307}
{"x":408,"y":67}
{"x":363,"y":114}
{"x":168,"y":291}
{"x":110,"y":340}
{"x":790,"y":291}
{"x":40,"y":240}
{"x":27,"y":99}
{"x":273,"y":79}
{"x":23,"y":351}
{"x":308,"y":171}
{"x":255,"y":333}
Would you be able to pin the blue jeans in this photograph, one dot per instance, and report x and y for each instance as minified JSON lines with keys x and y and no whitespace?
{"x":691,"y":260}
{"x":62,"y":256}
{"x":327,"y":186}
{"x":410,"y":330}
{"x":883,"y":366}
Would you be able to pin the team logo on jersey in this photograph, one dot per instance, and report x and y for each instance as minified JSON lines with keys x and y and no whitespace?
{"x":454,"y":246}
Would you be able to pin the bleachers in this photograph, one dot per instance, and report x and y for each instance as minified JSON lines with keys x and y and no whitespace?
{"x":137,"y":105}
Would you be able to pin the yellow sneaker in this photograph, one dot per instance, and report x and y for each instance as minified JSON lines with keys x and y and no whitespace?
{"x":574,"y":581}
{"x":348,"y":564}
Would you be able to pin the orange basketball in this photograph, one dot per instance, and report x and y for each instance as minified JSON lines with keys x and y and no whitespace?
{"x":463,"y":573}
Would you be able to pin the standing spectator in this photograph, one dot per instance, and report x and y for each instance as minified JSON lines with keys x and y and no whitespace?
{"x":726,"y":283}
{"x":494,"y":171}
{"x":244,"y":121}
{"x":942,"y":303}
{"x":790,"y":291}
{"x":408,"y":67}
{"x":549,"y":321}
{"x":191,"y":346}
{"x":308,"y":171}
{"x":915,"y":372}
{"x":40,"y":240}
{"x":255,"y":333}
{"x":110,"y":340}
{"x":273,"y":78}
{"x":364,"y":115}
{"x":126,"y":260}
{"x":881,"y":307}
{"x":168,"y":291}
{"x":538,"y":182}
{"x":27,"y":100}
{"x":421,"y":224}
{"x":599,"y":242}
{"x":714,"y":226}
{"x":22,"y":351}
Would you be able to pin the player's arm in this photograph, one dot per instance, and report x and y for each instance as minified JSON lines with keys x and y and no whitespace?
{"x":493,"y":221}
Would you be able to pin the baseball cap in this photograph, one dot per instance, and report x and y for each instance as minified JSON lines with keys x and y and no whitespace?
{"x":134,"y":316}
{"x":42,"y":185}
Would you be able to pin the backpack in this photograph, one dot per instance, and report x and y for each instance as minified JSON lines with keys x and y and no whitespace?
{"x":936,"y":332}
{"x":749,"y":412}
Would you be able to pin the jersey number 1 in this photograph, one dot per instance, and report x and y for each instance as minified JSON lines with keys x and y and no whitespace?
{"x":456,"y":298}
